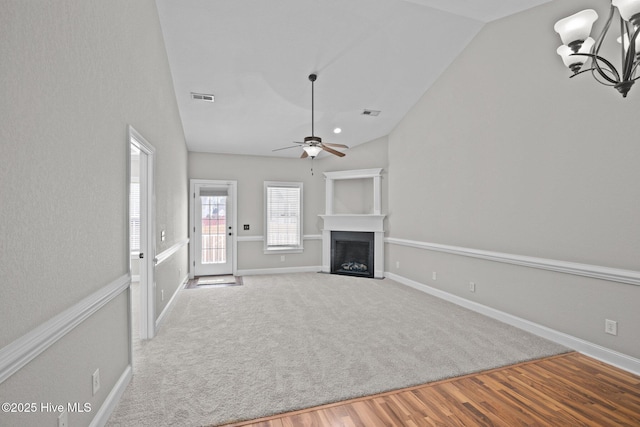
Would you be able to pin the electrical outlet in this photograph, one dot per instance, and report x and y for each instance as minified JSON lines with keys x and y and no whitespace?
{"x":95,"y":379}
{"x":162,"y":294}
{"x":397,"y":264}
{"x":611,"y":327}
{"x":434,"y":275}
{"x":472,"y":286}
{"x":63,"y":419}
{"x":282,"y":257}
{"x":246,"y":226}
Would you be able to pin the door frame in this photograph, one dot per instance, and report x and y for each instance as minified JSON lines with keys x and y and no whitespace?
{"x":147,"y":233}
{"x":232,"y":185}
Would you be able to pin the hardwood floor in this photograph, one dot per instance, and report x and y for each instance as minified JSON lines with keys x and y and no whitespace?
{"x":566,"y":390}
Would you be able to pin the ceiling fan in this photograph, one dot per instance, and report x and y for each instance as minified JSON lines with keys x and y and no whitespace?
{"x":313,"y":145}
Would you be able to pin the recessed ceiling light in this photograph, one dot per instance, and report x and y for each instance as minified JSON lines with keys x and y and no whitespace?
{"x":337,"y":130}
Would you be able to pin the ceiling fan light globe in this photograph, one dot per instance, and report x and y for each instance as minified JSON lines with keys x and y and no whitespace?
{"x":312,"y":150}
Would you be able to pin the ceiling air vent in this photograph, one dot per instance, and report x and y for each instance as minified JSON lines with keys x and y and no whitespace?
{"x":370,"y":112}
{"x":202,"y":96}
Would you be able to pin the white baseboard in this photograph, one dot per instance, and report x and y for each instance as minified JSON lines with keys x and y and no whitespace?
{"x":596,"y":351}
{"x":284,"y":270}
{"x":110,"y":403}
{"x":170,"y":303}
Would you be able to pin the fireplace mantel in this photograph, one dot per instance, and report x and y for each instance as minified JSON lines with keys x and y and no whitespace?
{"x":373,"y":222}
{"x":355,"y":222}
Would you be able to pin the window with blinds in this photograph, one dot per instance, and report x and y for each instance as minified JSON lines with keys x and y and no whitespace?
{"x":283,"y":216}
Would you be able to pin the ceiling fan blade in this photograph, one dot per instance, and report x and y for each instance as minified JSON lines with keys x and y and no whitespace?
{"x":332,"y":151}
{"x":285,"y":148}
{"x":335,"y":145}
{"x":304,"y":155}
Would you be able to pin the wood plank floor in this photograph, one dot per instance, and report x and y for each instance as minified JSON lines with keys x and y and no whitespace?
{"x":566,"y":390}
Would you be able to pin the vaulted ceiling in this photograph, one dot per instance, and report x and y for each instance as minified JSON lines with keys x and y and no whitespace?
{"x":255,"y":57}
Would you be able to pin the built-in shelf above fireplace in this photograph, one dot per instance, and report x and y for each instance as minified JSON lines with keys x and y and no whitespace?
{"x":356,"y":222}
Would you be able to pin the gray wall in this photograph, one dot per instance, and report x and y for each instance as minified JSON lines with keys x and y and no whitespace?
{"x":252,"y":171}
{"x":505,"y":153}
{"x":74,"y":74}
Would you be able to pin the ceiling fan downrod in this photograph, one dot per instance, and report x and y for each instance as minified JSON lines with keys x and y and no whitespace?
{"x":312,"y":78}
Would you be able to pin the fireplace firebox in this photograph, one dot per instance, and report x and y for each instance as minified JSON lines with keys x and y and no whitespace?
{"x":352,"y":253}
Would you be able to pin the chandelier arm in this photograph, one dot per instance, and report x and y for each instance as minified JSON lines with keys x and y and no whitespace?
{"x":595,"y":76}
{"x":596,"y":66}
{"x":605,"y":29}
{"x":633,"y":71}
{"x":630,"y":63}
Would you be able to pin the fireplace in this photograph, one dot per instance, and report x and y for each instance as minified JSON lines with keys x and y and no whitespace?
{"x":363,"y":228}
{"x":352,"y":253}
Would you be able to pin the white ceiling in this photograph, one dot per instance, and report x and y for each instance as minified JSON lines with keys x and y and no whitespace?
{"x":255,"y":57}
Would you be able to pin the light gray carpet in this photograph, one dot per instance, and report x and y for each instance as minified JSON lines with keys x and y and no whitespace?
{"x":286,"y":342}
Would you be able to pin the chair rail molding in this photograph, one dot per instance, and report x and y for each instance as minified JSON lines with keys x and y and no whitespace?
{"x":166,"y":254}
{"x":29,"y":346}
{"x":630,"y":277}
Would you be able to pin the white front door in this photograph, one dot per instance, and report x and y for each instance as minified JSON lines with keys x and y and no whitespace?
{"x":213,"y":229}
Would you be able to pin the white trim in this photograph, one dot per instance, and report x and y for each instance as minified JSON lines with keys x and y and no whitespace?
{"x":261,"y":238}
{"x":289,"y":249}
{"x":595,"y":271}
{"x":603,"y":354}
{"x":354,"y":174}
{"x":113,"y":398}
{"x":29,"y":346}
{"x":375,"y":174}
{"x":166,"y":254}
{"x":284,"y":270}
{"x":147,"y":232}
{"x":233,"y":193}
{"x":353,"y":222}
{"x":166,"y":310}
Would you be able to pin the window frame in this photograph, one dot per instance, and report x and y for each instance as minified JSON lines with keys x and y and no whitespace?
{"x":270,"y":249}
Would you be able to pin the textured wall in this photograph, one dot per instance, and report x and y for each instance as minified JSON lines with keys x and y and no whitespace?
{"x":506,"y":153}
{"x":74,"y":74}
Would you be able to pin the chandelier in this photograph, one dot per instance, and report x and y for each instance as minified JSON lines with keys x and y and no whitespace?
{"x":579,"y":48}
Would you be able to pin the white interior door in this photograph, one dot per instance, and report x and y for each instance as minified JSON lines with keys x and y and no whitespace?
{"x":213,"y":230}
{"x":146,"y":162}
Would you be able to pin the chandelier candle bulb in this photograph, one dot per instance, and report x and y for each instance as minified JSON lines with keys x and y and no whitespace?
{"x":575,"y":29}
{"x":629,"y":10}
{"x":575,"y":62}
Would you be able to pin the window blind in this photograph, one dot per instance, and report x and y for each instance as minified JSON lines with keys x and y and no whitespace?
{"x":283,"y":219}
{"x":134,"y":216}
